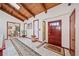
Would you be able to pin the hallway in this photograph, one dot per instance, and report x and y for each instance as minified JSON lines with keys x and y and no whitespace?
{"x":22,"y":49}
{"x":39,"y":29}
{"x":16,"y":47}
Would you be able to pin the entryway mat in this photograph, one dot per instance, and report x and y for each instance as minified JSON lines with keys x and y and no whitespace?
{"x":54,"y":48}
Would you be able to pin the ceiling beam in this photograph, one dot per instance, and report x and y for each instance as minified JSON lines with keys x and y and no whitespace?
{"x":43,"y":5}
{"x":28,"y":9}
{"x":0,"y":5}
{"x":12,"y":14}
{"x":3,"y":8}
{"x":18,"y":11}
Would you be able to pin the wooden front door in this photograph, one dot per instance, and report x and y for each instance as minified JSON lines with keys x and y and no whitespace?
{"x":54,"y":32}
{"x":72,"y":33}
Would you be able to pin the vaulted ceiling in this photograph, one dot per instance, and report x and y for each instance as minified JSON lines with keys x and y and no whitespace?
{"x":26,"y":10}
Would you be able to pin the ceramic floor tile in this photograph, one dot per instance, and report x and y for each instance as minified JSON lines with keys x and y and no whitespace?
{"x":10,"y":50}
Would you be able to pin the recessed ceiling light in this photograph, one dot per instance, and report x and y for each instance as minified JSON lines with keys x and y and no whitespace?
{"x":16,"y":6}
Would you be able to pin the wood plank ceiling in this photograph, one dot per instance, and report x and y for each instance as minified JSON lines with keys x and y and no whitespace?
{"x":26,"y":10}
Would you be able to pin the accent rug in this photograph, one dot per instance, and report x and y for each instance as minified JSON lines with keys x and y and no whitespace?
{"x":55,"y":48}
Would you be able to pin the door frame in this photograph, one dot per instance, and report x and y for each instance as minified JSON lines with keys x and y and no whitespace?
{"x":73,"y":12}
{"x":13,"y":23}
{"x":38,"y":28}
{"x":60,"y":28}
{"x":25,"y":29}
{"x":44,"y":30}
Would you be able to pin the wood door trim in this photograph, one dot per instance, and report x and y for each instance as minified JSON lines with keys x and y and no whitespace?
{"x":44,"y":33}
{"x":7,"y":30}
{"x":60,"y":28}
{"x":73,"y":12}
{"x":38,"y":28}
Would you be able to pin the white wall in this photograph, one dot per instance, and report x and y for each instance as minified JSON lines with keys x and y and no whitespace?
{"x":61,"y":12}
{"x":30,"y":20}
{"x":53,"y":14}
{"x":4,"y":17}
{"x":29,"y":31}
{"x":77,"y":29}
{"x":65,"y":29}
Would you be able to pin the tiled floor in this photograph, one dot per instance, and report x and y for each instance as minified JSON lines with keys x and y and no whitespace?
{"x":42,"y":51}
{"x":10,"y":49}
{"x":67,"y":52}
{"x":24,"y":45}
{"x":23,"y":49}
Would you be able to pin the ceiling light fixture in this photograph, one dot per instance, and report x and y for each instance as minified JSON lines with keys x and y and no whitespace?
{"x":16,"y":6}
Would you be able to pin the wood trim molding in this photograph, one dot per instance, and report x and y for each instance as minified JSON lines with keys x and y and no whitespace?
{"x":7,"y":30}
{"x":74,"y":11}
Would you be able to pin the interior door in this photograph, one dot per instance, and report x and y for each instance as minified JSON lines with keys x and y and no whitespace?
{"x":72,"y":33}
{"x":36,"y":28}
{"x":54,"y":32}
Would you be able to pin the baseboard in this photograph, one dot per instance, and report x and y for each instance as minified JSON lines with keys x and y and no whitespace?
{"x":28,"y":37}
{"x":66,"y":48}
{"x":25,"y":37}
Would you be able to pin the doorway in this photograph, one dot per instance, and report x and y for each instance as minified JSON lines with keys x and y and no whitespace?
{"x":13,"y":29}
{"x":36,"y":28}
{"x":44,"y":30}
{"x":72,"y":33}
{"x":25,"y":29}
{"x":54,"y":33}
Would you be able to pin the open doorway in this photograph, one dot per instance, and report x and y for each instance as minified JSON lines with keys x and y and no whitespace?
{"x":36,"y":28}
{"x":13,"y":29}
{"x":44,"y":30}
{"x":25,"y":29}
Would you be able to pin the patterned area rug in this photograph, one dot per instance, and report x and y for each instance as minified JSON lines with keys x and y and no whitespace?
{"x":54,"y":48}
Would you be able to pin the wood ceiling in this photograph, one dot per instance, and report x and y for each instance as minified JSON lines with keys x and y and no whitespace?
{"x":26,"y":10}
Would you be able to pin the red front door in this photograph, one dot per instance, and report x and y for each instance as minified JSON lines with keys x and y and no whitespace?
{"x":54,"y":32}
